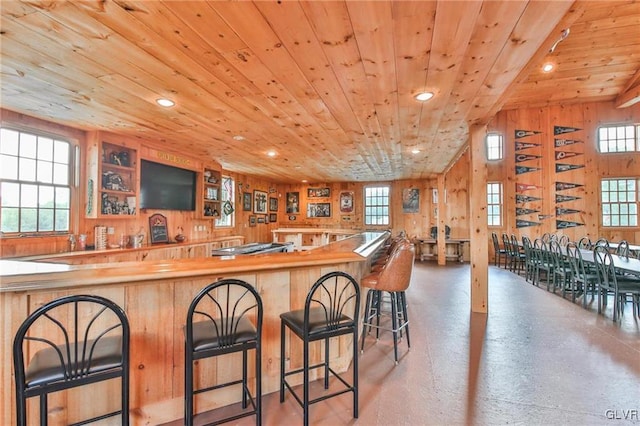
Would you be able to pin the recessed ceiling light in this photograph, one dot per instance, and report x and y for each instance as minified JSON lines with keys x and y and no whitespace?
{"x":304,"y":181}
{"x":415,"y":151}
{"x":238,"y":138}
{"x":167,"y":103}
{"x":424,"y":96}
{"x":548,"y":67}
{"x":271,"y":153}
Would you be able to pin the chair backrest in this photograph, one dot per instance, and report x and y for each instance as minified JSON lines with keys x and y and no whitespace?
{"x":76,"y":328}
{"x":556,"y":256}
{"x":396,"y":273}
{"x":496,"y":244}
{"x":434,"y":231}
{"x":585,"y":243}
{"x":623,"y":249}
{"x":225,"y":304}
{"x":564,"y":240}
{"x":337,"y":294}
{"x":574,"y":255}
{"x":602,"y":242}
{"x":514,"y":245}
{"x":604,"y":267}
{"x":506,"y":242}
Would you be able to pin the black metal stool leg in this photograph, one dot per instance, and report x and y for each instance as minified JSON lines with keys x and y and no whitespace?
{"x":405,"y":316}
{"x":282,"y":349}
{"x":394,"y":325}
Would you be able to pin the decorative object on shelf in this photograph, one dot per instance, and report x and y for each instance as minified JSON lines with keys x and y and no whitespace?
{"x":252,"y":220}
{"x":410,"y":200}
{"x":259,"y":202}
{"x":113,"y":182}
{"x":180,"y":237}
{"x":273,"y":204}
{"x":211,"y":194}
{"x":246,"y":201}
{"x":293,"y":203}
{"x":158,"y":228}
{"x":100,"y":237}
{"x":346,"y":202}
{"x":319,"y":210}
{"x":318,"y":192}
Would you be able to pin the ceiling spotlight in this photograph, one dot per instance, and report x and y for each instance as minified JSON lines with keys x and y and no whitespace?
{"x":548,"y":67}
{"x":424,"y":96}
{"x":304,"y":181}
{"x":167,"y":103}
{"x":238,"y":138}
{"x":271,"y":153}
{"x":415,"y":151}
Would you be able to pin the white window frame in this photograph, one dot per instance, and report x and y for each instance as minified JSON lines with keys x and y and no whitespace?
{"x":619,"y":208}
{"x":227,"y":221}
{"x":494,"y":143}
{"x":618,"y":138}
{"x":377,"y":197}
{"x":40,"y":174}
{"x":495,"y":200}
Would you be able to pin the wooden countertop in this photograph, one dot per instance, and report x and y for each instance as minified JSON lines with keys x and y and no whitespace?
{"x":29,"y":275}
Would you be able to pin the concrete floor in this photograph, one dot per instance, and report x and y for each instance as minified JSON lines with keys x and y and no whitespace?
{"x":536,"y":359}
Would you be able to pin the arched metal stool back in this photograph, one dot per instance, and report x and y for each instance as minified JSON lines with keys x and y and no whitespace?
{"x":331,"y":309}
{"x":225,"y":317}
{"x":75,"y":341}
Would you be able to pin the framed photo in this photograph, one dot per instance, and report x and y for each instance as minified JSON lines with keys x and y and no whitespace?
{"x":346,"y":202}
{"x":262,"y":219}
{"x":318,"y":192}
{"x":273,"y":204}
{"x":252,"y":220}
{"x":319,"y":210}
{"x":273,"y":217}
{"x":158,"y":228}
{"x":410,"y":200}
{"x":292,"y":217}
{"x":293,"y":203}
{"x":260,"y":202}
{"x":246,"y":201}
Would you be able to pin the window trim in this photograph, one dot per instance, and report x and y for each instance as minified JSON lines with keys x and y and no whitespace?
{"x":637,"y":202}
{"x":76,"y":159}
{"x":233,"y":203}
{"x":636,"y":149}
{"x":364,"y":204}
{"x":500,"y":204}
{"x":501,"y":146}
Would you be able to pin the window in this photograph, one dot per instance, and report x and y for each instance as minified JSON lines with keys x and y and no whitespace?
{"x":376,"y":205}
{"x":619,"y":138}
{"x":35,"y":177}
{"x":619,"y":202}
{"x":227,"y":193}
{"x":494,"y":146}
{"x":494,"y":203}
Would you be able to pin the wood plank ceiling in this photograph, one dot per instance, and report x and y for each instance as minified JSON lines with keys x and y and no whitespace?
{"x":328,"y":86}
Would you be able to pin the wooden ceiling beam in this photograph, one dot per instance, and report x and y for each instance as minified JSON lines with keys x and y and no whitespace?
{"x":630,"y":95}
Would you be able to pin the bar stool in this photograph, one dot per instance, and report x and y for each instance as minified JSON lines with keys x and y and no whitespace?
{"x":394,"y":278}
{"x":331,"y":309}
{"x":75,"y":341}
{"x":225,"y":317}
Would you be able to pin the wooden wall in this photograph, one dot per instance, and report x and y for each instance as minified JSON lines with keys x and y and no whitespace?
{"x":592,"y":167}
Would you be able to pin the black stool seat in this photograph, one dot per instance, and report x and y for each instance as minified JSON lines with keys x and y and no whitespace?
{"x":318,"y":323}
{"x":45,"y":366}
{"x":207,"y":334}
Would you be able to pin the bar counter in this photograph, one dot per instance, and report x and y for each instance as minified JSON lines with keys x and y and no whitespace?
{"x":155,"y":295}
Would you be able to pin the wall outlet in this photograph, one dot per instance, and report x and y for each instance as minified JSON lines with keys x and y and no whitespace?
{"x":111,"y":230}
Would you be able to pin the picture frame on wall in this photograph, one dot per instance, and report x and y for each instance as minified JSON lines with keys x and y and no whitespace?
{"x":410,"y":200}
{"x":260,"y":202}
{"x":252,"y":220}
{"x":246,"y":201}
{"x":262,"y":219}
{"x":293,"y":203}
{"x":319,"y":210}
{"x":273,"y":217}
{"x":346,"y":202}
{"x":318,"y":192}
{"x":273,"y":204}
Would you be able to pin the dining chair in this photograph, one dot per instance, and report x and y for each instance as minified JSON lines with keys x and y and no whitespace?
{"x":584,"y":280}
{"x":517,"y":253}
{"x":499,"y":251}
{"x":611,"y":284}
{"x":585,"y":243}
{"x":529,"y":259}
{"x":543,"y":262}
{"x":561,"y":269}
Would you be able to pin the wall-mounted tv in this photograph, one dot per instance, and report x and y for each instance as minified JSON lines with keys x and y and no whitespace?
{"x":165,"y":187}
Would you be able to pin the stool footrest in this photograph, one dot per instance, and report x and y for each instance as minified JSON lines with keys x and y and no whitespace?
{"x":348,"y":387}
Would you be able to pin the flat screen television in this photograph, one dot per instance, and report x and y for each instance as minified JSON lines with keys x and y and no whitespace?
{"x":165,"y":187}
